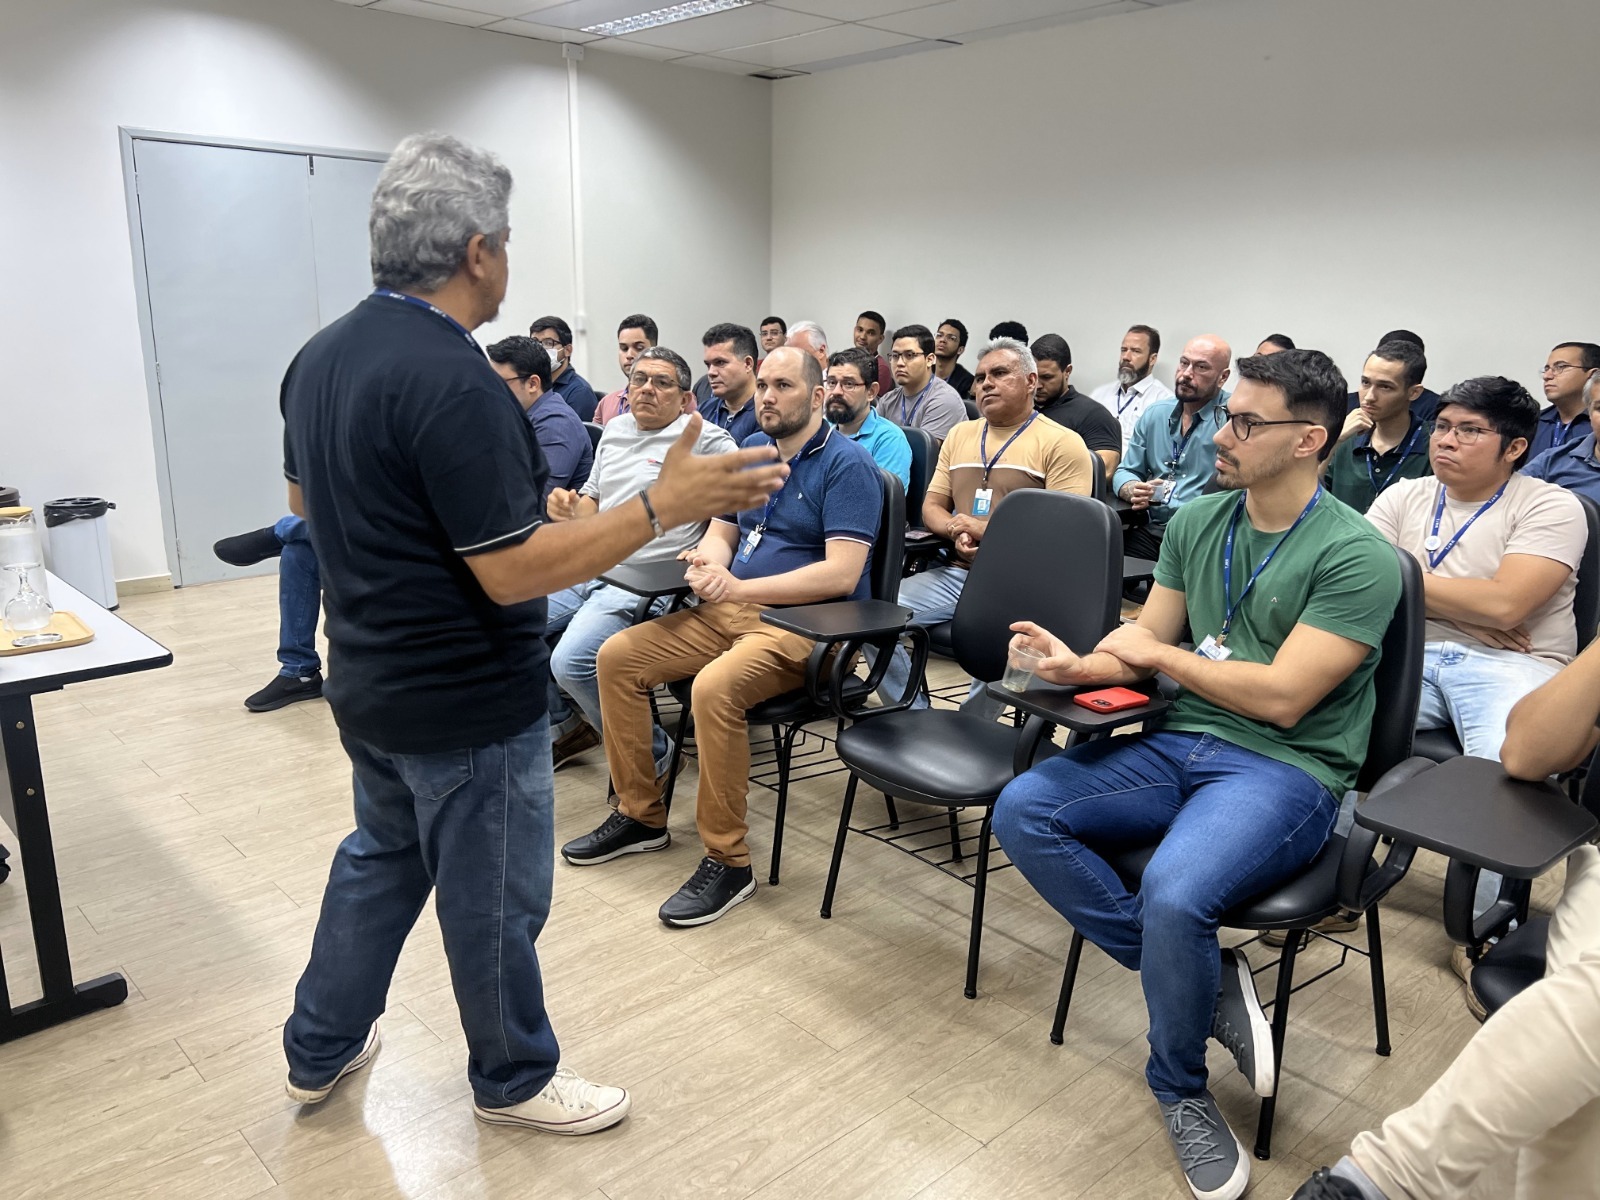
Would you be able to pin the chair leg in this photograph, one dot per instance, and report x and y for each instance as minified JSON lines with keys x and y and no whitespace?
{"x":1380,"y":991}
{"x":785,"y":753}
{"x":1280,"y":1024}
{"x":1069,"y":978}
{"x":979,"y":888}
{"x":674,"y":759}
{"x":838,"y":846}
{"x":894,"y":814}
{"x":955,"y":838}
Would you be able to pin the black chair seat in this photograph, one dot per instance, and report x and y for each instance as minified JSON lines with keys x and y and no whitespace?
{"x":939,"y":640}
{"x":1440,"y":745}
{"x":783,"y":708}
{"x":1514,"y":962}
{"x":933,"y":756}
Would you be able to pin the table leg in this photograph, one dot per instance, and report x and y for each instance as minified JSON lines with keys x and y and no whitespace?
{"x":62,"y":1001}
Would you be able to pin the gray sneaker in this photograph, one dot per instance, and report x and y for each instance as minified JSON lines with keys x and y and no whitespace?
{"x":1240,"y":1025}
{"x":1213,"y":1160}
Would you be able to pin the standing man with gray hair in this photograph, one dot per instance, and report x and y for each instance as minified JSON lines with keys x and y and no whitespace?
{"x":420,"y":481}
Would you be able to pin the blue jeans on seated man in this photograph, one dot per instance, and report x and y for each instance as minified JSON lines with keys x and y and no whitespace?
{"x":478,"y":826}
{"x":932,"y":597}
{"x":585,"y":616}
{"x":1231,"y":824}
{"x":299,"y":600}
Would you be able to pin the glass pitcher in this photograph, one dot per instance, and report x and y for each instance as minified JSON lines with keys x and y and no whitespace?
{"x":24,"y":589}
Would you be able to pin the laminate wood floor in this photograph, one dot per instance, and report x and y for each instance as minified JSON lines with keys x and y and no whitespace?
{"x":771,"y":1054}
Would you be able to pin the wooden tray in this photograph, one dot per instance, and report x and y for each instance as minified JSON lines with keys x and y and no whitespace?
{"x":73,"y":633}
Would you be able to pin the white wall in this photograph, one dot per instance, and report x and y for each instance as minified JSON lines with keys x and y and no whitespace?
{"x":311,"y":72}
{"x":1330,"y":169}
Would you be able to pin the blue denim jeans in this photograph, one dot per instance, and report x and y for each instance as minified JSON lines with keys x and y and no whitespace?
{"x":588,"y":614}
{"x":477,"y":826}
{"x":1231,"y":824}
{"x":299,"y":599}
{"x":932,"y":597}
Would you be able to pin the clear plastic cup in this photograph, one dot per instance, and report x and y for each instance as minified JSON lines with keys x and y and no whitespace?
{"x":1021,"y":663}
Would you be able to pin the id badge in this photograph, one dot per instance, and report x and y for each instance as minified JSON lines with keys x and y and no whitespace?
{"x":1162,"y":492}
{"x":751,"y":541}
{"x":982,"y":499}
{"x":1213,"y":649}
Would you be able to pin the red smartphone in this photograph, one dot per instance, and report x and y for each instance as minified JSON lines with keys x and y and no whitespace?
{"x":1110,"y":700}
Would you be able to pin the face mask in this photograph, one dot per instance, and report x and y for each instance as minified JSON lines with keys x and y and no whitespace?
{"x":555,"y":359}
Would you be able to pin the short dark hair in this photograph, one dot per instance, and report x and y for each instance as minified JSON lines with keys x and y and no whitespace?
{"x":1313,"y":388}
{"x":922,"y":333}
{"x":1149,"y":331}
{"x":779,"y":322}
{"x":738,"y":336}
{"x":1010,"y":329}
{"x":957,"y":326}
{"x":1502,"y":402}
{"x":673,"y":359}
{"x":643,"y":324}
{"x":861,"y":359}
{"x":1402,"y":335}
{"x":1591,"y":353}
{"x":870,"y":315}
{"x":1281,"y":340}
{"x":1409,"y":355}
{"x":1054,"y":347}
{"x":553,"y":325}
{"x":526,"y":356}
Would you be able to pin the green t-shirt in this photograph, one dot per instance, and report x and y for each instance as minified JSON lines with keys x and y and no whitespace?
{"x":1336,"y":573}
{"x":1357,"y":472}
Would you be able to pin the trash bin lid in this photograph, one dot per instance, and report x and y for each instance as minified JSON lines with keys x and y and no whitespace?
{"x":74,"y":508}
{"x":9,"y":497}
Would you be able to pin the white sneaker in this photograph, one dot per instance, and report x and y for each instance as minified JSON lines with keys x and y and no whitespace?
{"x":317,"y":1095}
{"x":569,"y":1104}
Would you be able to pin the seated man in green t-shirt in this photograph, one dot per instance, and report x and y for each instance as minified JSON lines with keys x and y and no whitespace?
{"x":1288,"y":595}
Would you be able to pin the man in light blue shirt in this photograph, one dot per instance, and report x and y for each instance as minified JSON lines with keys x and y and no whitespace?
{"x":1171,"y":456}
{"x":849,"y":390}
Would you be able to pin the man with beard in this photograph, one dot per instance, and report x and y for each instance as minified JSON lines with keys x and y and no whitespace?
{"x":1136,"y":389}
{"x":1064,"y":404}
{"x":1170,"y":456}
{"x":1288,"y":594}
{"x":848,"y":393}
{"x":810,"y":542}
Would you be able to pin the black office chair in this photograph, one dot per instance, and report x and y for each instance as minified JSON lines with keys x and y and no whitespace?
{"x":594,"y":430}
{"x":793,"y":711}
{"x":1344,"y":876}
{"x":1442,"y":744}
{"x":972,"y":410}
{"x":1047,"y":557}
{"x":920,"y":545}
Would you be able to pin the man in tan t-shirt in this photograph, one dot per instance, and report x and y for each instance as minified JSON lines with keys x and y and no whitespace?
{"x":981,"y":462}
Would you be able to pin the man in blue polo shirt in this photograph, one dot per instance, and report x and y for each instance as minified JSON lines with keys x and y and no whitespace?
{"x":811,"y":542}
{"x":849,"y":390}
{"x":555,"y":335}
{"x":568,"y":453}
{"x":1565,"y":373}
{"x":1575,"y":465}
{"x":730,"y":360}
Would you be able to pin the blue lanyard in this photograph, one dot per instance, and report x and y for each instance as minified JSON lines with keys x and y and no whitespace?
{"x":1183,"y":442}
{"x":915,"y":404}
{"x":1227,"y":559}
{"x":1123,"y":406}
{"x":1436,"y":553}
{"x":1405,"y":453}
{"x":983,"y":446}
{"x":419,"y":302}
{"x":772,"y":500}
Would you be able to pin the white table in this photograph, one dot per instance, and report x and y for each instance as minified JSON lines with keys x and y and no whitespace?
{"x":118,"y":649}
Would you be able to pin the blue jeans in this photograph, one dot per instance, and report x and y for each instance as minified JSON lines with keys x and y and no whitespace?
{"x":1231,"y":824}
{"x":932,"y":597}
{"x":588,"y":614}
{"x":478,"y":826}
{"x":299,"y":599}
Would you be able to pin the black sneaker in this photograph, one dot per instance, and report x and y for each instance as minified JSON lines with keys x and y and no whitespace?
{"x":617,"y":835}
{"x":1240,"y":1025}
{"x":712,"y":890}
{"x":247,"y":549}
{"x":1213,"y":1161}
{"x":285,"y":690}
{"x":580,"y":739}
{"x":1324,"y":1185}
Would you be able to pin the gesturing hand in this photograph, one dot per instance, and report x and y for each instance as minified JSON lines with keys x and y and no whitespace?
{"x":562,"y":504}
{"x":696,"y":487}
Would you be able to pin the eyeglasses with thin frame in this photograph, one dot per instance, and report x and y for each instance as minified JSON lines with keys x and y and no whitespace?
{"x":552,"y":348}
{"x":905,"y":356}
{"x":1559,"y":368}
{"x":1467,"y":435}
{"x":835,"y":384}
{"x":1244,"y":424}
{"x":661,"y":383}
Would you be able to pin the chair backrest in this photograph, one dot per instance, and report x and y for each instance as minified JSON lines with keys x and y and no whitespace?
{"x":924,"y":459}
{"x":972,"y":410}
{"x":1589,"y":792}
{"x":1053,"y":558}
{"x":1397,"y":683}
{"x":1586,"y":600}
{"x":595,"y":430}
{"x":1099,"y":486}
{"x":889,"y":547}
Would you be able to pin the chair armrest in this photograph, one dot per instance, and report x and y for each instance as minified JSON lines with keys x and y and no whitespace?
{"x":1358,"y":890}
{"x":649,"y":579}
{"x":1053,"y":703}
{"x":1138,"y":568}
{"x":840,"y":620}
{"x":843,"y":628}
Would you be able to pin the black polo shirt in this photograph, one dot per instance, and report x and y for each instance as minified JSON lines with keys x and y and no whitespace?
{"x":412,"y":456}
{"x":1087,"y":417}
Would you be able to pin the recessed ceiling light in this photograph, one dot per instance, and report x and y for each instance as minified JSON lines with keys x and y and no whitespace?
{"x":664,"y":16}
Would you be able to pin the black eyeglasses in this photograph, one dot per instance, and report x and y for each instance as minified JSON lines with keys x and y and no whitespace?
{"x":1244,"y":424}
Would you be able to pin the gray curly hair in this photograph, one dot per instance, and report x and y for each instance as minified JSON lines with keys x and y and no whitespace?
{"x":433,"y":195}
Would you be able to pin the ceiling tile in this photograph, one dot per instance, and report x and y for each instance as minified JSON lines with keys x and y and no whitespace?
{"x":956,"y":17}
{"x":852,"y":10}
{"x":914,"y":46}
{"x":500,"y":8}
{"x":436,"y":12}
{"x":575,"y":14}
{"x":546,"y":33}
{"x":1102,"y":9}
{"x":711,"y":63}
{"x":737,"y":27}
{"x":834,"y":42}
{"x":636,"y":49}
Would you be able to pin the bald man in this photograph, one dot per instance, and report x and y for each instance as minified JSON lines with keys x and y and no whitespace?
{"x":1170,"y":455}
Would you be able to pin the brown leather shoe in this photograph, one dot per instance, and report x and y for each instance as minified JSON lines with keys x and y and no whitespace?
{"x":581,"y":738}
